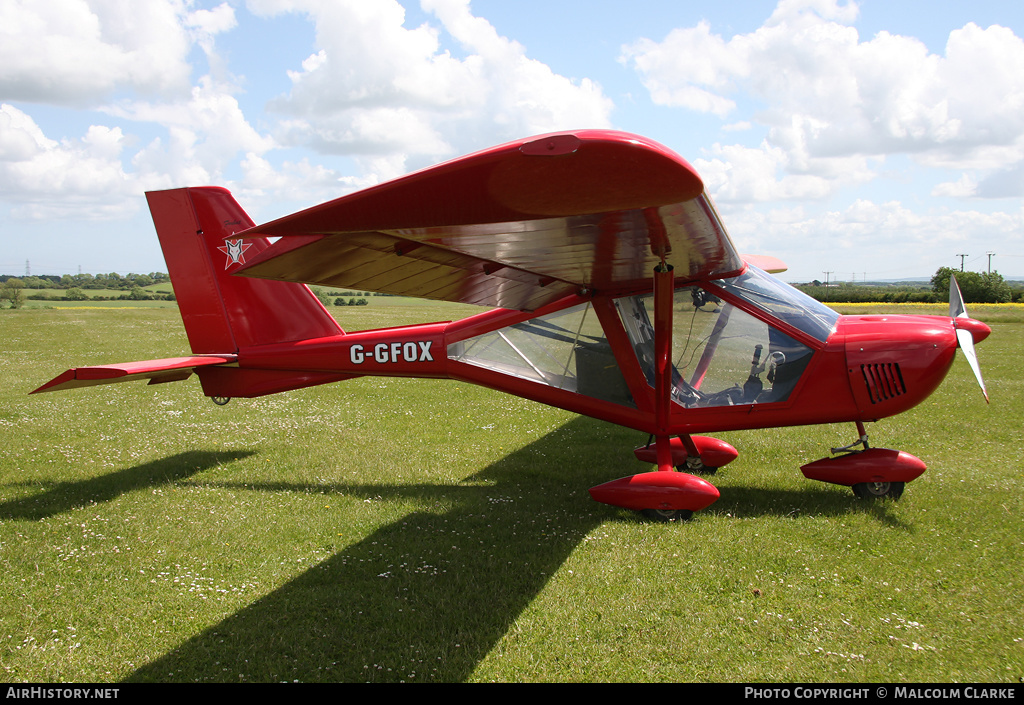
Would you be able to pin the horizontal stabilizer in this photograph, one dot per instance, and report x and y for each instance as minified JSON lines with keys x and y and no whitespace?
{"x":170,"y":369}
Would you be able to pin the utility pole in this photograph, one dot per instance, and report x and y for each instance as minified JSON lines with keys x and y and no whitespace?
{"x":826,"y":284}
{"x":990,"y":256}
{"x":962,"y":261}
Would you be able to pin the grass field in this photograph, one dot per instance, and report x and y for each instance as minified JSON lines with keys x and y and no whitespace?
{"x":404,"y":530}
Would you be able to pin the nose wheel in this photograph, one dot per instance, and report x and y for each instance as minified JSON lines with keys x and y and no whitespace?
{"x":872,"y":473}
{"x":667,"y":515}
{"x":879,"y":490}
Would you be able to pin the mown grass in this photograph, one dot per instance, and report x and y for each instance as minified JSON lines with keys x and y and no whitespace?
{"x":390,"y":529}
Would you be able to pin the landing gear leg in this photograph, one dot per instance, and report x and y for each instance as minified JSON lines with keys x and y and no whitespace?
{"x":861,"y":441}
{"x":694,"y":462}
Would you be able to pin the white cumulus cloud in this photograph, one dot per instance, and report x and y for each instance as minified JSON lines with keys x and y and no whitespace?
{"x":75,"y":52}
{"x":50,"y":178}
{"x":83,"y":53}
{"x":828,"y":97}
{"x":380,"y":90}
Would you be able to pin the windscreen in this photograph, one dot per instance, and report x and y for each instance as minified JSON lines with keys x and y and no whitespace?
{"x":783,"y":301}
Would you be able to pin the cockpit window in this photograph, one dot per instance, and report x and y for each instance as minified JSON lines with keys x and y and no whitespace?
{"x":784,"y":302}
{"x":721,"y":355}
{"x":566,"y":350}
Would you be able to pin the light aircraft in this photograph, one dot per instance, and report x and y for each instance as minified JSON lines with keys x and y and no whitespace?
{"x":615,"y":292}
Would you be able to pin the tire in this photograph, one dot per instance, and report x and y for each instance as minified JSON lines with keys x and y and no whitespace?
{"x":698,"y":468}
{"x":666,"y":515}
{"x":879,"y":490}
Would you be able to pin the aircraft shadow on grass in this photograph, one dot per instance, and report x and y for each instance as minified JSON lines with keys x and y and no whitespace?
{"x":426,"y":598}
{"x":66,"y":496}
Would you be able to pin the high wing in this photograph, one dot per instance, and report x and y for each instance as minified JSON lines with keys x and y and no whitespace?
{"x":516,"y":226}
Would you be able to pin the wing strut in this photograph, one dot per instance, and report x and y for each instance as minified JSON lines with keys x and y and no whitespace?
{"x":664,"y":292}
{"x":664,"y":495}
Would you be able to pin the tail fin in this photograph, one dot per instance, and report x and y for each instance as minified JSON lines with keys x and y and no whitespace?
{"x":223,"y":313}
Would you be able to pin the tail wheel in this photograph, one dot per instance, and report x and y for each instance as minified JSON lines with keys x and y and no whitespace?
{"x":878,"y":490}
{"x":666,"y":515}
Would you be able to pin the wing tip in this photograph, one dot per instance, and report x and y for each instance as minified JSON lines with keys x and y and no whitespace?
{"x":772,"y":265}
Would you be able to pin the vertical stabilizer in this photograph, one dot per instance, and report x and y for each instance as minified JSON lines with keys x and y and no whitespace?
{"x":223,"y":313}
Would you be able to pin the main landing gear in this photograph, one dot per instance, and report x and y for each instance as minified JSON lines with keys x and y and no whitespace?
{"x":697,"y":466}
{"x":670,"y":493}
{"x":872,"y":473}
{"x":701,"y":455}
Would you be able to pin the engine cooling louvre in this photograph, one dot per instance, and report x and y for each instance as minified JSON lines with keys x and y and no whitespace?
{"x":884,"y":381}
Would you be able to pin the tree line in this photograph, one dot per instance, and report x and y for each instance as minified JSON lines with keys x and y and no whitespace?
{"x":13,"y":290}
{"x":113,"y":280}
{"x":976,"y":287}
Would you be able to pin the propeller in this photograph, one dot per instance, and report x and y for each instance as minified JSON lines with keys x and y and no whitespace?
{"x":967,"y":331}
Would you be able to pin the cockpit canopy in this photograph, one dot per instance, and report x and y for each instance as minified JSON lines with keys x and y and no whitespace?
{"x":722,"y":354}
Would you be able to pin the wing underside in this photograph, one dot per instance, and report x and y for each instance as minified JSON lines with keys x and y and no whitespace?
{"x":517,"y":226}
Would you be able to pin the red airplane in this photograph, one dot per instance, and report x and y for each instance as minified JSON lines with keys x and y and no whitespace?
{"x":617,"y":292}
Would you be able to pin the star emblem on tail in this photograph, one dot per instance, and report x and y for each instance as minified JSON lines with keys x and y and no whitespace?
{"x":235,"y":250}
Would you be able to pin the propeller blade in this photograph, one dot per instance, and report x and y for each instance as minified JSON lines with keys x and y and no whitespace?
{"x":964,"y":337}
{"x":956,"y":300}
{"x":966,"y":341}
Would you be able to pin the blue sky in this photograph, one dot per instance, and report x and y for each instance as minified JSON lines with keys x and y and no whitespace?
{"x":872,"y":139}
